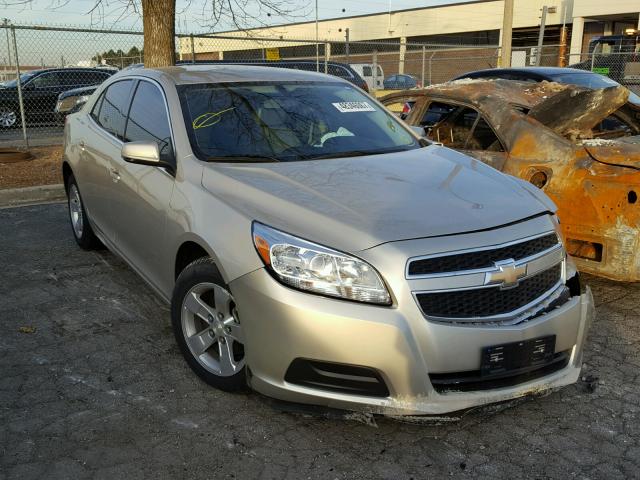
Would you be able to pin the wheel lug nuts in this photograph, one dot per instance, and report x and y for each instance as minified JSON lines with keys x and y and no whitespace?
{"x":220,"y":316}
{"x":223,"y":340}
{"x":210,"y":318}
{"x":212,"y":333}
{"x":228,"y":329}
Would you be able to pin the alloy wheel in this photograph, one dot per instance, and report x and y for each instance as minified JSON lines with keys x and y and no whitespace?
{"x":8,"y":118}
{"x":75,"y":211}
{"x":212,"y":330}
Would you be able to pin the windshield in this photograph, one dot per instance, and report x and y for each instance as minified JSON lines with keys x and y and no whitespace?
{"x":592,"y":80}
{"x":23,"y":79}
{"x":288,"y":122}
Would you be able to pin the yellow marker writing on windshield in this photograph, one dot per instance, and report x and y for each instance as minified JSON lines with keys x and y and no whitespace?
{"x":209,"y":119}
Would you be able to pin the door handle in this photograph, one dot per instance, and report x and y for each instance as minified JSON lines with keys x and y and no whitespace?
{"x":115,"y":175}
{"x":81,"y":144}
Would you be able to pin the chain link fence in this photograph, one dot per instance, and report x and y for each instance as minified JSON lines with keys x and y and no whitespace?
{"x":60,"y":66}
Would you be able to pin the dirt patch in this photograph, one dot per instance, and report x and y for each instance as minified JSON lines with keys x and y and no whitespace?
{"x":43,"y":169}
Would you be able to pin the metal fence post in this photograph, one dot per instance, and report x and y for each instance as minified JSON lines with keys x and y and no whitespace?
{"x":346,"y":45}
{"x":22,"y":117}
{"x":375,"y":70}
{"x":430,"y":70}
{"x":327,"y":55}
{"x":423,"y":54}
{"x":193,"y":50}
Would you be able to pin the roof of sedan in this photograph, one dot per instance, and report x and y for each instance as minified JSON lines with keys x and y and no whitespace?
{"x":190,"y":74}
{"x":483,"y":91}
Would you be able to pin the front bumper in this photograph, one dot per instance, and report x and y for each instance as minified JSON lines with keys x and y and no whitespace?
{"x":281,"y":325}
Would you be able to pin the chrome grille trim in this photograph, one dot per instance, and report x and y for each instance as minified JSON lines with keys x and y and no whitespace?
{"x":408,"y":276}
{"x":476,"y":279}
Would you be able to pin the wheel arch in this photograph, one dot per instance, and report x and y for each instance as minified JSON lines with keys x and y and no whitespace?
{"x":66,"y":173}
{"x":189,"y":251}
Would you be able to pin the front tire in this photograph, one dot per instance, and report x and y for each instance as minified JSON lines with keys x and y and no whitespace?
{"x":207,"y":327}
{"x":9,"y":117}
{"x":80,"y":226}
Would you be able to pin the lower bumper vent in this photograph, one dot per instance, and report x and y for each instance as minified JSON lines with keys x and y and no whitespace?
{"x":337,"y":377}
{"x":474,"y":381}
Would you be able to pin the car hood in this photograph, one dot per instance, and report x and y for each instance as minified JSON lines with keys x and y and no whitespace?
{"x":356,"y":203}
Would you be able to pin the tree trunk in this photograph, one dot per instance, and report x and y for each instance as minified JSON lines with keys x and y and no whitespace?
{"x":158,"y":20}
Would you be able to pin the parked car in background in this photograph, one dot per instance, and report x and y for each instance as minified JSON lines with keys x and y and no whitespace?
{"x":336,"y":69}
{"x":401,"y":82}
{"x":373,"y":75}
{"x":72,"y":101}
{"x":573,"y":76}
{"x":580,"y":145}
{"x":40,"y":91}
{"x":282,"y":213}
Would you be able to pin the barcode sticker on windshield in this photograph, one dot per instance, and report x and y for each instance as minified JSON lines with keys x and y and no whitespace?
{"x":346,"y":107}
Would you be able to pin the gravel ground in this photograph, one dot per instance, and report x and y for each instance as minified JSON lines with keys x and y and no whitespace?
{"x":44,"y":169}
{"x":93,"y":386}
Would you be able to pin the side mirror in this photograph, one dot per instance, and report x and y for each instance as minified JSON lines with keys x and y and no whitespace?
{"x":418,"y":130}
{"x":144,"y":153}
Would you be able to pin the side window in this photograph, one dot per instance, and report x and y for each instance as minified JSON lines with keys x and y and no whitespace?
{"x":113,"y":107}
{"x":95,"y":111}
{"x":436,"y":112}
{"x":148,"y":120}
{"x":464,"y":128}
{"x":46,"y":80}
{"x":366,"y":71}
{"x":71,"y":79}
{"x":378,"y":71}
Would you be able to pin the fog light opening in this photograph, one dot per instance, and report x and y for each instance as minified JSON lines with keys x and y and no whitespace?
{"x":632,"y":197}
{"x":583,"y":249}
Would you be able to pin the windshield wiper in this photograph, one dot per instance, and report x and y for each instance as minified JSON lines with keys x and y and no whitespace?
{"x":354,"y":153}
{"x":244,"y":158}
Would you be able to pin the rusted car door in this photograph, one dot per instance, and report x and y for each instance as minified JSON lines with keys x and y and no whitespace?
{"x":461,"y":127}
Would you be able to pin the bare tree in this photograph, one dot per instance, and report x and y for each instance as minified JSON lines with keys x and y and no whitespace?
{"x":159,"y":18}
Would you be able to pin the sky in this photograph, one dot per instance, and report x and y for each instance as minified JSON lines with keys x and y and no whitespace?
{"x":114,"y":15}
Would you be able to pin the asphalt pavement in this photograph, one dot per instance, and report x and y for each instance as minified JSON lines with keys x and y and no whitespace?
{"x":92,"y":385}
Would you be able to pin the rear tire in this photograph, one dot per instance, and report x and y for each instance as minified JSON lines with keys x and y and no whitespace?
{"x":80,"y":225}
{"x":207,"y":327}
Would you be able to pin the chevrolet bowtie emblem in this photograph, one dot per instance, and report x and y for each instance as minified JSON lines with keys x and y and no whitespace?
{"x":507,"y":275}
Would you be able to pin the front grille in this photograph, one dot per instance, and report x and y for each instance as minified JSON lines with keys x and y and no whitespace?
{"x":487,"y":302}
{"x":483,"y":258}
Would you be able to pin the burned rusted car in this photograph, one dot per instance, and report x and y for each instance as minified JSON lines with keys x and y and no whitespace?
{"x":581,"y":146}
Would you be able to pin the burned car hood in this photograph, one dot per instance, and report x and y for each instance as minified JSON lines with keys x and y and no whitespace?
{"x":359,"y":202}
{"x":624,"y":151}
{"x":575,"y":110}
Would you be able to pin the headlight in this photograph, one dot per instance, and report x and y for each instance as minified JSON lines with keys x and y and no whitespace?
{"x":314,"y":268}
{"x":82,"y":99}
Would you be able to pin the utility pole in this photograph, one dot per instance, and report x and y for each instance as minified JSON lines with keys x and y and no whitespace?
{"x":507,"y":29}
{"x":543,"y":23}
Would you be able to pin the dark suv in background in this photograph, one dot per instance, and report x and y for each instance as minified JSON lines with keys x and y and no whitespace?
{"x":40,"y":91}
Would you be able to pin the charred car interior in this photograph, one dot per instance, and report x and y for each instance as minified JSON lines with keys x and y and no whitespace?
{"x":581,"y":146}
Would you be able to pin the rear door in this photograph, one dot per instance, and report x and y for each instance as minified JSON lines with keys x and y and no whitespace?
{"x":143,"y":192}
{"x":103,"y":144}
